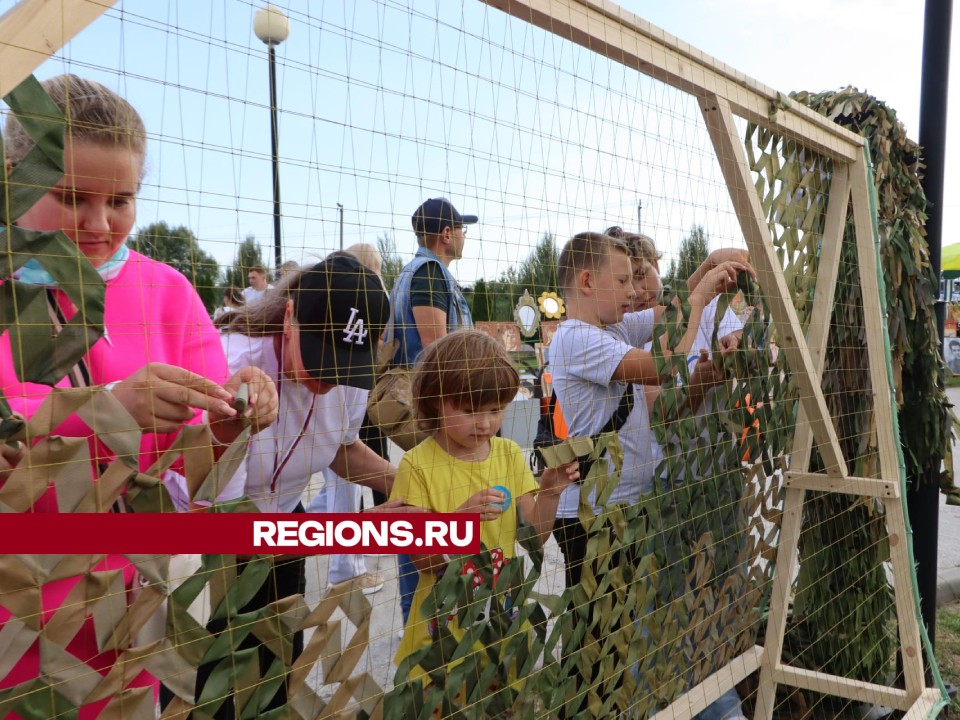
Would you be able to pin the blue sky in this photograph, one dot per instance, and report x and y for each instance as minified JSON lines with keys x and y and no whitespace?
{"x":384,"y":103}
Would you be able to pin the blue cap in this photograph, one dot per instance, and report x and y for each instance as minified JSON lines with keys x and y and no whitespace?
{"x":436,"y":214}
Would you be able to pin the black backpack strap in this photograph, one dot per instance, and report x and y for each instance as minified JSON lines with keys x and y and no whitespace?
{"x":546,"y":438}
{"x":615,"y":422}
{"x":552,"y":407}
{"x":622,"y":412}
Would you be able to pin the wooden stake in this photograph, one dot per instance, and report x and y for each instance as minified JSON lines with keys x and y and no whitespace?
{"x":33,"y":30}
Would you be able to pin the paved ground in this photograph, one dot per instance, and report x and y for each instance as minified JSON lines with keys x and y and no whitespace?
{"x":948,"y":549}
{"x":386,"y":622}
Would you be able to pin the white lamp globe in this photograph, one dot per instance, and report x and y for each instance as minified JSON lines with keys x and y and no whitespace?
{"x":271,"y":25}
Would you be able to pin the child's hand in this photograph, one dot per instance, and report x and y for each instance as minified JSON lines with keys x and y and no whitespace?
{"x":729,"y":343}
{"x":720,"y":279}
{"x":705,"y":374}
{"x":554,"y":480}
{"x":723,"y":255}
{"x":489,"y":503}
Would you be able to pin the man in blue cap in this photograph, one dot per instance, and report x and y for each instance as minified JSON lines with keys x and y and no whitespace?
{"x":426,"y":304}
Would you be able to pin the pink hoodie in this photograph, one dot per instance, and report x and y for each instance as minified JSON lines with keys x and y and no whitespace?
{"x":153,"y":314}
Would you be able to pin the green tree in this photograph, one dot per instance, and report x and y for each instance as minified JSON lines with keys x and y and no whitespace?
{"x":249,"y":255}
{"x":180,"y":248}
{"x":538,"y":271}
{"x":392,"y":262}
{"x":481,"y":301}
{"x":694,"y":249}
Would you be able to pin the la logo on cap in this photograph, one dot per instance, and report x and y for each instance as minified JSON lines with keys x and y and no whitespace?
{"x":354,"y":332}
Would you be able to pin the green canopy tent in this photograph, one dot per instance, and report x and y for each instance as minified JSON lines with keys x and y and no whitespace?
{"x":950,"y":273}
{"x":950,"y":261}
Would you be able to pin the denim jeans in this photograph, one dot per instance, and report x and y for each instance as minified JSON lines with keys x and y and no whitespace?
{"x":407,"y":578}
{"x":725,"y":707}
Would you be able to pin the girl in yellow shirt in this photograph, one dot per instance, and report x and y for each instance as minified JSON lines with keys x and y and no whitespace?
{"x":462,"y":386}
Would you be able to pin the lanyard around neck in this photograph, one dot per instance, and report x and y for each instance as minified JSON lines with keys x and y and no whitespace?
{"x":280,"y":460}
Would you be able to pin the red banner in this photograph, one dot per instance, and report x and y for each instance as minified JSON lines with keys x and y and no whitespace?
{"x":240,"y":533}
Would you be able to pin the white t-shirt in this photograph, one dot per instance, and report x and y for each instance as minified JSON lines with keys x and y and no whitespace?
{"x":730,"y":323}
{"x":306,"y":436}
{"x":250,"y":294}
{"x":583,"y":358}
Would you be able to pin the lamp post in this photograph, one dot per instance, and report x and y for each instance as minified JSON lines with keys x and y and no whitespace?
{"x":273,"y":27}
{"x":340,"y":210}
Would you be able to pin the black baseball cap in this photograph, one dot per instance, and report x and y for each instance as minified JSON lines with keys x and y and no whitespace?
{"x":342,"y":309}
{"x":436,"y":214}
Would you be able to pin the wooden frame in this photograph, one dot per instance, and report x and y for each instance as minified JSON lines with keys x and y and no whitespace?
{"x":607,"y":29}
{"x":35,"y":29}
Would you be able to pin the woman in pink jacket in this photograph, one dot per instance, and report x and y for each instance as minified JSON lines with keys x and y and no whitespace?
{"x":160,"y":355}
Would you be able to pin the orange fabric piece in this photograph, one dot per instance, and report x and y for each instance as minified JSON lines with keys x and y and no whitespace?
{"x":754,"y":426}
{"x":560,"y":428}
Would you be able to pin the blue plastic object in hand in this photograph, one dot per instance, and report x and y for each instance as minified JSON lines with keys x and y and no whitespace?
{"x":506,"y":498}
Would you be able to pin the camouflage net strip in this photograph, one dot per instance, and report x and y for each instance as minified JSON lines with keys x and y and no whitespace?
{"x":148,"y":625}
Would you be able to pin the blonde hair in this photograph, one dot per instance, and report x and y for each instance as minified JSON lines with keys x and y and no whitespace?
{"x":585,"y":251}
{"x":368,"y":256}
{"x":467,"y":368}
{"x":93,"y":113}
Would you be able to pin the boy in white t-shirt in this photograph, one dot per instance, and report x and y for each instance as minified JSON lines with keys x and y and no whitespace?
{"x":595,"y":353}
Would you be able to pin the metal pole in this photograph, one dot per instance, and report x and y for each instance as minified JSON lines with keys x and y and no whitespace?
{"x":923,"y":495}
{"x":340,"y":210}
{"x":277,"y":244}
{"x":639,"y":211}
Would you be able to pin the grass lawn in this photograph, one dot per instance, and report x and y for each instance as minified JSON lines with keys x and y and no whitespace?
{"x":948,"y":650}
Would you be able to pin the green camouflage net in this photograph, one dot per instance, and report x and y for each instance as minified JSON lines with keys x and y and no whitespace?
{"x":671,"y":589}
{"x":842,"y":618}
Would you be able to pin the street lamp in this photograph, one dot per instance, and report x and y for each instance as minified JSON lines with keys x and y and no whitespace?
{"x":272,"y":27}
{"x":340,"y":210}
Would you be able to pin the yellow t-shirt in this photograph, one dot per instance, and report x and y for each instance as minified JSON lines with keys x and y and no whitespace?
{"x":430,"y":478}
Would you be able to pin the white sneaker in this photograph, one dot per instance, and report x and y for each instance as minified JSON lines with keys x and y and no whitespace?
{"x":369,"y":583}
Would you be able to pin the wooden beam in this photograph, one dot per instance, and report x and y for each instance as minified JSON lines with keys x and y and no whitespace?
{"x":818,"y":329}
{"x":33,"y":30}
{"x":843,"y":687}
{"x":746,"y":203}
{"x":883,"y":401}
{"x":785,"y":570}
{"x":874,"y":322}
{"x":908,"y":622}
{"x":701,"y":696}
{"x":609,"y":30}
{"x":923,"y":708}
{"x":866,"y":487}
